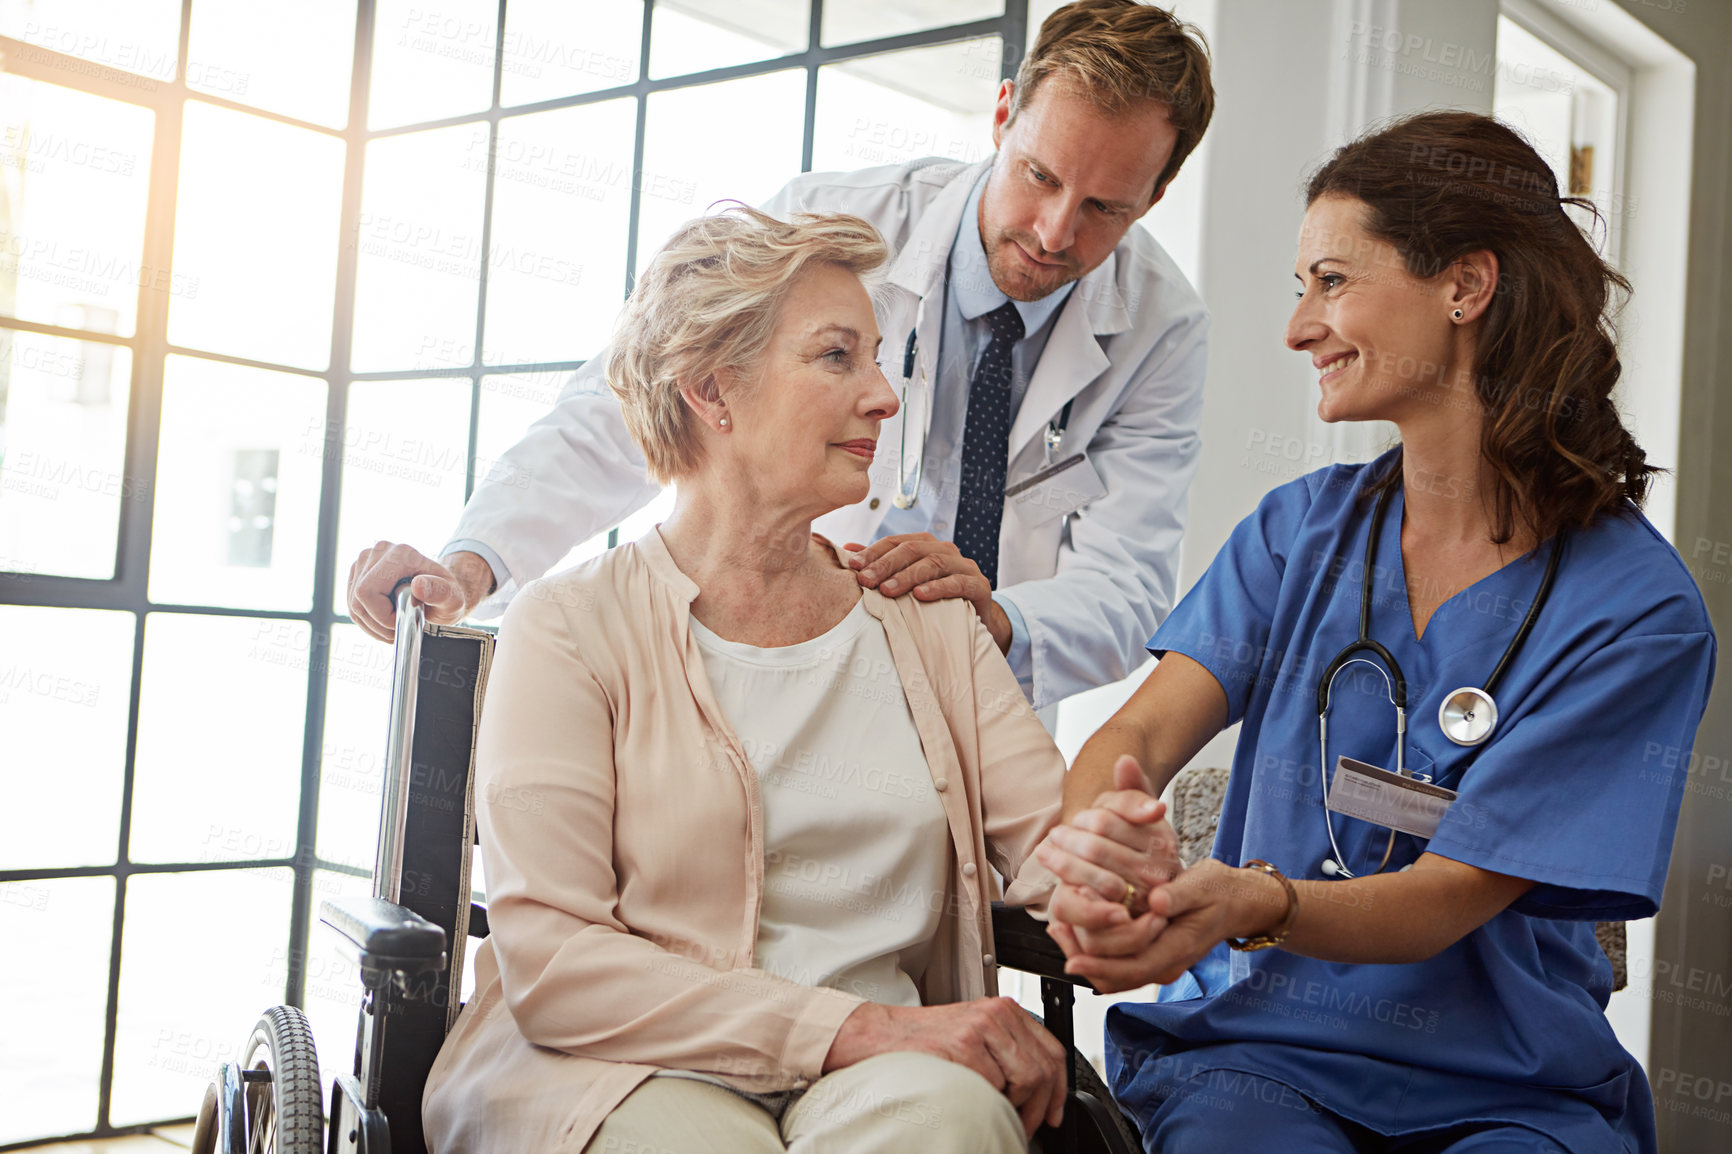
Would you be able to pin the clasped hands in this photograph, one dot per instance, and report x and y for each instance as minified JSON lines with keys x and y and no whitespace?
{"x":1123,"y":847}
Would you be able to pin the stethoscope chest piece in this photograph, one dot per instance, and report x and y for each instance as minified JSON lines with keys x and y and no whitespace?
{"x":1467,"y":716}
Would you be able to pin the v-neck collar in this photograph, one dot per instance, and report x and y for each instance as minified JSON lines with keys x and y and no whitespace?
{"x":1494,"y":609}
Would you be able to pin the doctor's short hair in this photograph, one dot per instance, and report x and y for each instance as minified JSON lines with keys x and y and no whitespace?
{"x":709,"y":302}
{"x":1115,"y":53}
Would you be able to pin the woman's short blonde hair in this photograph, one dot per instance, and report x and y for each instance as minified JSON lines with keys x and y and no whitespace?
{"x":708,"y":302}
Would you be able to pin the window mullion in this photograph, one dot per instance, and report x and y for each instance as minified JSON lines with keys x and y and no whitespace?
{"x":813,"y":41}
{"x":132,"y":546}
{"x":486,"y":258}
{"x":1014,"y":37}
{"x":330,"y":498}
{"x":637,"y":152}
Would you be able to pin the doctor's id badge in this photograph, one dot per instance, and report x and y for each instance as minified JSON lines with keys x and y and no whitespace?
{"x":1052,"y":492}
{"x":1388,"y":799}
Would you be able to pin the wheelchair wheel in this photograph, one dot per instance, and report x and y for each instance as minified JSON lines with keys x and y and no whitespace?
{"x":204,"y":1132}
{"x":1108,"y":1115}
{"x":285,"y":1107}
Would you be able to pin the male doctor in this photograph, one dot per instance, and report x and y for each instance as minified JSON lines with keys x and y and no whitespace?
{"x":1025,"y":324}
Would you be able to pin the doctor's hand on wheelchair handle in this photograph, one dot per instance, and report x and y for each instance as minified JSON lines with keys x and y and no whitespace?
{"x":446,"y":592}
{"x":994,"y":1037}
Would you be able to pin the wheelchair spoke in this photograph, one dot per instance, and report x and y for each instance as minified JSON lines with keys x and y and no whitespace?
{"x":261,"y":1114}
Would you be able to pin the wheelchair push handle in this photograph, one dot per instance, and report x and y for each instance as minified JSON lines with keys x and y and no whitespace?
{"x":394,"y":800}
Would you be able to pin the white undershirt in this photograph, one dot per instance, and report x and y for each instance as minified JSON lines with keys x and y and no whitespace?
{"x":856,"y":847}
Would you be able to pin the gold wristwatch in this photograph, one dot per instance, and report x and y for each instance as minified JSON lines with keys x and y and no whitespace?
{"x":1264,"y":941}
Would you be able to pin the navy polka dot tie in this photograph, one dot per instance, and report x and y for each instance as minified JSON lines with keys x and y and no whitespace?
{"x":986,"y":444}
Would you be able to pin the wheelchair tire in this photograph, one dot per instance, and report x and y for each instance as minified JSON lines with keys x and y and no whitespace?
{"x":285,"y":1110}
{"x":204,"y":1131}
{"x":1087,"y":1081}
{"x":1100,"y":1125}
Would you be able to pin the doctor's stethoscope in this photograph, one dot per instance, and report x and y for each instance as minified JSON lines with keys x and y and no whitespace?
{"x":1467,"y":716}
{"x":908,"y":483}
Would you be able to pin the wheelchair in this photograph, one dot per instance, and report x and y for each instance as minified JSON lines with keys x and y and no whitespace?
{"x":409,"y":940}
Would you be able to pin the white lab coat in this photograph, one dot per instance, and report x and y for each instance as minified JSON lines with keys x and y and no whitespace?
{"x":1128,"y":348}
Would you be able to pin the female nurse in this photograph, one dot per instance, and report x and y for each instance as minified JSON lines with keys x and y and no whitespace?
{"x":1333,"y":981}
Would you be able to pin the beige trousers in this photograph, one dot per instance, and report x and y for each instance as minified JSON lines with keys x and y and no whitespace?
{"x":900,"y":1103}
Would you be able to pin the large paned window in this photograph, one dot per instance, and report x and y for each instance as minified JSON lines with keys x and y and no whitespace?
{"x":277,"y":281}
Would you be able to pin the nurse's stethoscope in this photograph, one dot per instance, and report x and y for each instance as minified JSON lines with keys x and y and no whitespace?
{"x":908,"y":482}
{"x":1467,"y":716}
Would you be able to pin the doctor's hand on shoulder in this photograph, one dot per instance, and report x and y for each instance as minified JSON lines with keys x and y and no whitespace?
{"x":932,"y":570}
{"x":447,"y":592}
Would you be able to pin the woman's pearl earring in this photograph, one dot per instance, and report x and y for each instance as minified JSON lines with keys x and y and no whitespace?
{"x":724,"y":422}
{"x":1456,"y":314}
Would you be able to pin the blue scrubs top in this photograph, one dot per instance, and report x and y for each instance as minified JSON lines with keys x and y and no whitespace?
{"x":1578,"y":789}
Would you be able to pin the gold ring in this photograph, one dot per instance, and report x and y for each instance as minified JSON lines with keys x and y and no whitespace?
{"x":1130,"y":896}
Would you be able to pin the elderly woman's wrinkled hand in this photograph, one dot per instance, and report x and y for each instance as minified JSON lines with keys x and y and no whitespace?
{"x":1187,"y":919}
{"x":1082,"y":923}
{"x":1111,"y":858}
{"x":1159,"y":947}
{"x":1121,"y":847}
{"x":994,"y":1037}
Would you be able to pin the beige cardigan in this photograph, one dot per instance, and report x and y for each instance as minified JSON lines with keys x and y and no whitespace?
{"x":621,"y":828}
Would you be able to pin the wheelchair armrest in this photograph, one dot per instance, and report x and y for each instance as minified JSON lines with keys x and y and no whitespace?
{"x":1021,"y":943}
{"x":385,"y":935}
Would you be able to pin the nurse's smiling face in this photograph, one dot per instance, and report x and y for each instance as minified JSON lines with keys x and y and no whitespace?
{"x":1383,"y":341}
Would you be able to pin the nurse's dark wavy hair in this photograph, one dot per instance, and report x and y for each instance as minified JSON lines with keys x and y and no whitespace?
{"x":1441,"y":185}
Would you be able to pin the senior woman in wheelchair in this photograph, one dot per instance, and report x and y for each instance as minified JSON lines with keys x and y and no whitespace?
{"x":740,"y":816}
